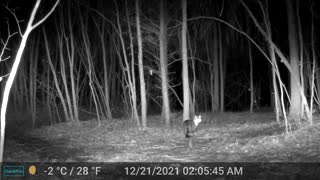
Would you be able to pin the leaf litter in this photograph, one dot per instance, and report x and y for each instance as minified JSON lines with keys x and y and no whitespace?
{"x":233,"y":137}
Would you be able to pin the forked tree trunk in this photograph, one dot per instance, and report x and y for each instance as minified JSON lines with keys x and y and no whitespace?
{"x":64,"y":75}
{"x":164,"y":63}
{"x":71,"y":58}
{"x":30,"y":27}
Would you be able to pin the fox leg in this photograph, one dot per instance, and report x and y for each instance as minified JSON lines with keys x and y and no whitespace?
{"x":190,"y":143}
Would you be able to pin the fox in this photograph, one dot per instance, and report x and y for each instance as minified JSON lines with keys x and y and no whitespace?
{"x":189,"y":127}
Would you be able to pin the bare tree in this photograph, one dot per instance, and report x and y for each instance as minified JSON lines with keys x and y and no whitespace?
{"x":89,"y":65}
{"x":55,"y":77}
{"x":184,"y":52}
{"x":275,"y":70}
{"x":222,"y":70}
{"x":215,"y":95}
{"x":164,"y":62}
{"x":129,"y":80}
{"x":295,"y":108}
{"x":141,"y":72}
{"x":312,"y":78}
{"x":70,"y":48}
{"x":106,"y":72}
{"x":30,"y":27}
{"x":251,"y":80}
{"x":293,"y":73}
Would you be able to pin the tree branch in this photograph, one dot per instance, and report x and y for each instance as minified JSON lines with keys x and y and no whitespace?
{"x":47,"y":15}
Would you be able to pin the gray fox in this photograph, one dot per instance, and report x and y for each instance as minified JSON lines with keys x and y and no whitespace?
{"x":189,"y":127}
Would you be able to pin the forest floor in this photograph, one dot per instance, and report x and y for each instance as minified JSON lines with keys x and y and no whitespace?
{"x":228,"y":137}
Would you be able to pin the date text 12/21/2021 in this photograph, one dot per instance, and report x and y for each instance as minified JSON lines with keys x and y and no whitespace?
{"x":183,"y":171}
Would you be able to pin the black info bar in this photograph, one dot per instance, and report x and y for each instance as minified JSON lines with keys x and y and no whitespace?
{"x":160,"y":170}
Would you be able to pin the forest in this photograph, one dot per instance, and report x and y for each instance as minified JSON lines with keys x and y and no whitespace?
{"x":117,"y":80}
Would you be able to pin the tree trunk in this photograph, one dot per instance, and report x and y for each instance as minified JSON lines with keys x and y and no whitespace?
{"x":106,"y":80}
{"x":55,"y":78}
{"x":164,"y":63}
{"x":184,"y":51}
{"x":127,"y":78}
{"x":222,"y":70}
{"x":30,"y":27}
{"x":295,"y":108}
{"x":251,"y":80}
{"x":141,"y":73}
{"x":215,"y":102}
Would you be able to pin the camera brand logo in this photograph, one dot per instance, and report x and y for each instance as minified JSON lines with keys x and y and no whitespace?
{"x":13,"y":171}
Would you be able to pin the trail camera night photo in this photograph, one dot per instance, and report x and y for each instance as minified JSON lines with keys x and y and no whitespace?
{"x":172,"y":88}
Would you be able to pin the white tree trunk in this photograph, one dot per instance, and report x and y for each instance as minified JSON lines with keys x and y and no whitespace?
{"x":14,"y":70}
{"x":128,"y":79}
{"x":185,"y":76}
{"x":141,"y":72}
{"x":296,"y":103}
{"x":55,"y":78}
{"x":164,"y":63}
